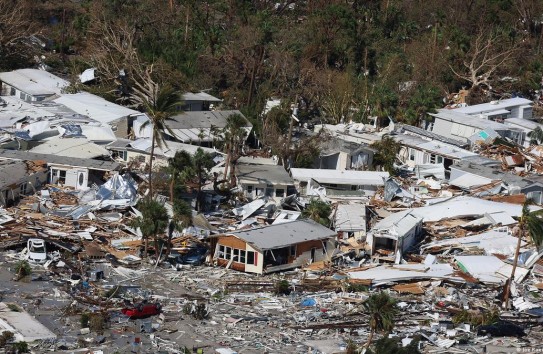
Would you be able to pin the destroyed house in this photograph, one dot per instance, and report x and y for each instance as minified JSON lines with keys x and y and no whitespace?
{"x":274,"y":248}
{"x":264,"y":180}
{"x":78,"y":173}
{"x":417,"y":151}
{"x":335,"y":183}
{"x":197,"y":126}
{"x":499,"y":110}
{"x":124,"y":150}
{"x":19,"y":178}
{"x":31,"y":85}
{"x":457,"y":125}
{"x":395,"y":234}
{"x":470,"y":176}
{"x":339,"y":154}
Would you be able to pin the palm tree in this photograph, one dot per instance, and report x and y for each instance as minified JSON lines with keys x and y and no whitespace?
{"x":382,"y":309}
{"x":202,"y":162}
{"x":160,"y":104}
{"x":153,"y":221}
{"x":532,"y":224}
{"x":318,"y":211}
{"x":536,"y":135}
{"x":232,"y":137}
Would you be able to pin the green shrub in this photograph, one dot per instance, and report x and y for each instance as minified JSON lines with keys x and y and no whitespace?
{"x":5,"y":337}
{"x":282,"y":287}
{"x":14,"y":308}
{"x":21,"y":347}
{"x":22,"y":268}
{"x":85,"y":317}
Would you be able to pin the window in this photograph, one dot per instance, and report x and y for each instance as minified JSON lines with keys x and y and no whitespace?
{"x":228,"y":253}
{"x":242,"y":256}
{"x":411,"y":154}
{"x":251,"y":259}
{"x":221,"y":252}
{"x":354,"y":188}
{"x":23,"y":188}
{"x":58,"y":176}
{"x":250,"y":189}
{"x":279,"y":192}
{"x":293,"y":251}
{"x":236,"y":255}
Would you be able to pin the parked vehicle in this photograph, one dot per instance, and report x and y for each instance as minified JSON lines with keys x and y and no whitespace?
{"x":142,"y":310}
{"x":194,"y":256}
{"x":37,"y":252}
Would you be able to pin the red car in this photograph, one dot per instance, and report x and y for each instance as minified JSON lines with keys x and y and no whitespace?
{"x":142,"y":310}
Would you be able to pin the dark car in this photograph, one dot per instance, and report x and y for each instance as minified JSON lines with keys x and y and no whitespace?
{"x":142,"y":310}
{"x":501,"y":330}
{"x":194,"y":256}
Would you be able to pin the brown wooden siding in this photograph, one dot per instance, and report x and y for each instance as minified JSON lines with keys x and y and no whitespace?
{"x":235,"y":265}
{"x":307,"y":246}
{"x":232,"y":241}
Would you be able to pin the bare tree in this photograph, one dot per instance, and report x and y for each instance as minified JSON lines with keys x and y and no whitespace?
{"x":15,"y":23}
{"x":486,"y":55}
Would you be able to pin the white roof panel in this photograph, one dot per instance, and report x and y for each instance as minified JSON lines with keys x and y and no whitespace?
{"x":95,"y":107}
{"x":34,"y":82}
{"x":340,"y":176}
{"x":70,"y":147}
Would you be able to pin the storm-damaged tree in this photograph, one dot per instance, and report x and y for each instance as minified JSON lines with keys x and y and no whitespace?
{"x":152,"y":222}
{"x":488,"y":52}
{"x":160,"y":103}
{"x":15,"y":26}
{"x":231,"y":138}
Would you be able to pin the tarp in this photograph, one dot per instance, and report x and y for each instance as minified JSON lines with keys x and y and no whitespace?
{"x":118,"y":187}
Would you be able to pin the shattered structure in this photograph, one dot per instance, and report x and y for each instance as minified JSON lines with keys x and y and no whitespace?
{"x":447,"y":234}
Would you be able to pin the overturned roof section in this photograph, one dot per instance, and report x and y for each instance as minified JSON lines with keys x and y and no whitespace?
{"x":60,"y":160}
{"x":284,"y":234}
{"x":268,"y":174}
{"x":361,"y":178}
{"x":34,"y":82}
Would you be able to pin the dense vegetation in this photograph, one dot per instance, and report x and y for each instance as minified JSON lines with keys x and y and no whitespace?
{"x":342,"y":59}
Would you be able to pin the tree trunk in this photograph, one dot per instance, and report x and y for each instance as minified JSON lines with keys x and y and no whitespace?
{"x":370,"y":338}
{"x":199,"y":195}
{"x":157,"y":249}
{"x":507,"y":290}
{"x":151,"y":166}
{"x":146,"y":246}
{"x":172,"y":184}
